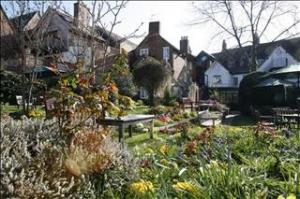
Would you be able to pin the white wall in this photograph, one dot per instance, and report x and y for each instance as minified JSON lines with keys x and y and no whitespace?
{"x":127,"y":46}
{"x":277,"y":59}
{"x":178,"y":64}
{"x":217,"y":69}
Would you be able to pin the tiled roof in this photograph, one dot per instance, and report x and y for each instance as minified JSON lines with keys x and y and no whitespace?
{"x":237,"y":60}
{"x":22,"y":20}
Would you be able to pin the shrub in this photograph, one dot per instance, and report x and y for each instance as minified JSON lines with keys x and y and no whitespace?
{"x":177,"y":117}
{"x":158,"y":123}
{"x":151,"y":74}
{"x":11,"y":85}
{"x":34,"y":163}
{"x":245,"y":91}
{"x":158,"y":110}
{"x":169,"y":99}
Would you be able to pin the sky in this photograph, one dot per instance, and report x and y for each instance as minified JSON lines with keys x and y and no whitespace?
{"x":174,"y":17}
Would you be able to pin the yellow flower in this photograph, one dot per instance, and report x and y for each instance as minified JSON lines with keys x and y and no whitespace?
{"x":214,"y":163}
{"x":149,"y":151}
{"x":142,"y":187}
{"x":280,"y":197}
{"x":185,"y":186}
{"x":164,"y":162}
{"x":164,"y":149}
{"x":291,"y":196}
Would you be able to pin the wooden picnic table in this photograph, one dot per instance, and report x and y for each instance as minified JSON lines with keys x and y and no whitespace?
{"x":127,"y":121}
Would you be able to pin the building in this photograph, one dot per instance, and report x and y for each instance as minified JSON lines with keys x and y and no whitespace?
{"x":228,"y":67}
{"x":224,"y":71}
{"x":8,"y":38}
{"x":118,"y":42}
{"x":181,"y":61}
{"x":58,"y":37}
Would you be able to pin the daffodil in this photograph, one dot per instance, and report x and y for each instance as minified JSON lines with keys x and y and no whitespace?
{"x":185,"y":186}
{"x":291,"y":196}
{"x":164,"y":149}
{"x":164,"y":162}
{"x":142,"y":187}
{"x":281,"y":197}
{"x":149,"y":151}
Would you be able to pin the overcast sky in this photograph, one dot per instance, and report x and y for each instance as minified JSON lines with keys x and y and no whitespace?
{"x":173,"y":16}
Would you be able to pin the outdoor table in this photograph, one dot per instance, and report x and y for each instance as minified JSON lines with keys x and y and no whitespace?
{"x":214,"y":118}
{"x":290,"y":117}
{"x":205,"y":106}
{"x":127,"y":121}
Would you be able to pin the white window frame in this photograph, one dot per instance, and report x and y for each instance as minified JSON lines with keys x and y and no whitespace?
{"x":166,"y":53}
{"x":143,"y":93}
{"x":144,"y":51}
{"x":218,"y":82}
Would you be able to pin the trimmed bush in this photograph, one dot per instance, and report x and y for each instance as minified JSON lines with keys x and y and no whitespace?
{"x":245,"y":91}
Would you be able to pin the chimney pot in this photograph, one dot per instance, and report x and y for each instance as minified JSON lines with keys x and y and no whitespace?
{"x":154,"y":27}
{"x":81,"y":15}
{"x":224,"y":45}
{"x":184,"y":45}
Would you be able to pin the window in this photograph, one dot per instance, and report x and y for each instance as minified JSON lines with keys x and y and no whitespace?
{"x":144,"y":51}
{"x":235,"y":81}
{"x":166,"y":53}
{"x":143,"y":93}
{"x":217,"y":79}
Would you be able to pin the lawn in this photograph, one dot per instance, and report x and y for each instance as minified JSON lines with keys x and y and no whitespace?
{"x":6,"y":108}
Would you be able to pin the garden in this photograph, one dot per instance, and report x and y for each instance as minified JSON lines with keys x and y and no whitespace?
{"x":240,"y":161}
{"x":63,"y":153}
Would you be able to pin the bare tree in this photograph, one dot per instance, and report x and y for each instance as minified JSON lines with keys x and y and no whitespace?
{"x":248,"y":21}
{"x":26,"y":41}
{"x":105,"y":15}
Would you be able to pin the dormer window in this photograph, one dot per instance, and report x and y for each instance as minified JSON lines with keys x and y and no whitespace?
{"x":166,"y":53}
{"x":144,"y":52}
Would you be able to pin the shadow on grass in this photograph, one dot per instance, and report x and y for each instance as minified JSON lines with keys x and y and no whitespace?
{"x":241,"y":120}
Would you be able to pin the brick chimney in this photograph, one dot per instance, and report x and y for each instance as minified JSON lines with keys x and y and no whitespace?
{"x":81,"y":15}
{"x":224,"y":45}
{"x":184,"y":45}
{"x":154,"y":27}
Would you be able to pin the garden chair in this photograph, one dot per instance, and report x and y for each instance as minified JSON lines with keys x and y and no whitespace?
{"x":49,"y":105}
{"x":266,"y":120}
{"x":279,"y":121}
{"x":19,"y":99}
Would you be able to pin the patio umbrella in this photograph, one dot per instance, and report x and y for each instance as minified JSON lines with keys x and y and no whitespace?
{"x":291,"y":71}
{"x":273,"y":82}
{"x":45,"y":71}
{"x":40,"y":69}
{"x":272,"y":90}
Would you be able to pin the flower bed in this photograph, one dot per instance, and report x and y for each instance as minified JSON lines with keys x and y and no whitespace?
{"x":218,"y":162}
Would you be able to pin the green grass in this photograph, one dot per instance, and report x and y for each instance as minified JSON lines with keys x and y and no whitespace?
{"x":241,"y":120}
{"x":141,"y":109}
{"x":6,"y":109}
